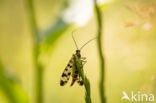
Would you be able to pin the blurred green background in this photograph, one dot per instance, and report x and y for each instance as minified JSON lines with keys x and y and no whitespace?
{"x":129,"y":45}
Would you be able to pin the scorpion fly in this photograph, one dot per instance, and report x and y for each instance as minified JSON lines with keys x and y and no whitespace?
{"x":71,"y":69}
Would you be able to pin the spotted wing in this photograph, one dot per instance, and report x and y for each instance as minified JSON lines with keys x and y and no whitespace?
{"x":66,"y":73}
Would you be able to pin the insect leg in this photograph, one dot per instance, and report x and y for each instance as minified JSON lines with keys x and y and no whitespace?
{"x":83,"y":58}
{"x":80,"y":81}
{"x":84,"y":62}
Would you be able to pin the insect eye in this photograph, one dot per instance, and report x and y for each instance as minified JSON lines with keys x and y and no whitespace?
{"x":77,"y":51}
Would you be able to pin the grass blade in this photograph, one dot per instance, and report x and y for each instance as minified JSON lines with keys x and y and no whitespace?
{"x":85,"y":79}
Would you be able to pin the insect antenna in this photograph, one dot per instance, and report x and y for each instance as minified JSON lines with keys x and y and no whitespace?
{"x":88,"y":42}
{"x":74,"y":40}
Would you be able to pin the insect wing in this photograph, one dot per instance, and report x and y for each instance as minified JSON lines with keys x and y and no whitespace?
{"x":66,"y":73}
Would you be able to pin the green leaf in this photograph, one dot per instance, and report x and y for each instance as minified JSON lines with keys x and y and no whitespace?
{"x":11,"y":89}
{"x":53,"y":33}
{"x":106,"y":4}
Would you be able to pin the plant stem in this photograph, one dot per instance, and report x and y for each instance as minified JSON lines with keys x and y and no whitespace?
{"x":36,"y":46}
{"x":99,"y":42}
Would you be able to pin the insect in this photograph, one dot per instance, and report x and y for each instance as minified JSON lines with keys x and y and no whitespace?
{"x":71,"y":68}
